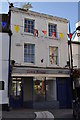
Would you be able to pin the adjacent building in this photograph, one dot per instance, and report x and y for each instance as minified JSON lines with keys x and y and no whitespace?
{"x":4,"y":60}
{"x":76,"y":48}
{"x":76,"y":57}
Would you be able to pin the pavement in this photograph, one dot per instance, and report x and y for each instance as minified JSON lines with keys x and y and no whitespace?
{"x":62,"y":114}
{"x":30,"y":114}
{"x":44,"y":114}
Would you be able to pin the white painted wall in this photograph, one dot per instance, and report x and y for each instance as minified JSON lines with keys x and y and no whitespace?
{"x":75,"y":54}
{"x":77,"y":38}
{"x":4,"y":50}
{"x":76,"y":49}
{"x":41,"y":43}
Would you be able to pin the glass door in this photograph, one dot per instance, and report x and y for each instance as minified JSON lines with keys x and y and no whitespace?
{"x":17,"y":93}
{"x":39,"y":90}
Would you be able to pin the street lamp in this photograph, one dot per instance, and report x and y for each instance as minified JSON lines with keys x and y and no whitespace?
{"x":10,"y":34}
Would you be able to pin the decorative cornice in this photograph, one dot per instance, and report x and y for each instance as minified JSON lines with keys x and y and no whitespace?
{"x":39,"y":14}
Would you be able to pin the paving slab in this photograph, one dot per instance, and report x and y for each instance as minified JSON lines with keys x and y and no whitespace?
{"x":44,"y":114}
{"x":29,"y":114}
{"x":18,"y":114}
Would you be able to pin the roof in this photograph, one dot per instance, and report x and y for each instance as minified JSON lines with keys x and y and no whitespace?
{"x":39,"y":14}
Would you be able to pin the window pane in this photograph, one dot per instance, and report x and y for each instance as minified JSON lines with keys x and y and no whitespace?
{"x":52,"y":29}
{"x":28,"y":22}
{"x":25,"y":58}
{"x":29,"y":50}
{"x":29,"y":53}
{"x":1,"y":85}
{"x":25,"y":21}
{"x":51,"y":26}
{"x":53,"y":55}
{"x":28,"y":58}
{"x":32,"y":58}
{"x":29,"y":25}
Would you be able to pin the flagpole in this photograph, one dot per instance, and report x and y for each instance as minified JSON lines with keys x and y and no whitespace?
{"x":71,"y":61}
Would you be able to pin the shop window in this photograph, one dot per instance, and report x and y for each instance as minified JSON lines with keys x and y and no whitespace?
{"x":16,"y":88}
{"x":53,"y":55}
{"x":1,"y":85}
{"x":52,"y":30}
{"x":51,"y":89}
{"x":39,"y":90}
{"x":28,"y":25}
{"x":29,"y":53}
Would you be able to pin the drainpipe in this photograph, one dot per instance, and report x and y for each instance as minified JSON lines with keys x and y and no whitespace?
{"x":9,"y":67}
{"x":71,"y":62}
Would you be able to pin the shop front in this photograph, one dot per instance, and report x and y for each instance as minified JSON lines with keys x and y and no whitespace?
{"x":36,"y":87}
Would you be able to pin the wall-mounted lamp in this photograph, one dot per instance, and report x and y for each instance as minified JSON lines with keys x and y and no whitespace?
{"x":42,"y":60}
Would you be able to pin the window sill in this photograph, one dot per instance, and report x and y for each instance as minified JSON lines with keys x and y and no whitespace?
{"x":26,"y":33}
{"x":53,"y":65}
{"x":48,"y":37}
{"x":28,"y":64}
{"x":29,"y":34}
{"x":55,"y":38}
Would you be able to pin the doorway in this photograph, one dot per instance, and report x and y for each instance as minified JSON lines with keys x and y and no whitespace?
{"x":64,"y":94}
{"x":16,"y":98}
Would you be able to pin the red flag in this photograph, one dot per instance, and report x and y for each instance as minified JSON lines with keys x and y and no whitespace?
{"x":44,"y":32}
{"x":70,"y":35}
{"x":25,"y":29}
{"x":53,"y":34}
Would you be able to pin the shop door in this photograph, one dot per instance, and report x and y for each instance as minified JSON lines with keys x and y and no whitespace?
{"x":17,"y":94}
{"x":62,"y":93}
{"x":39,"y":91}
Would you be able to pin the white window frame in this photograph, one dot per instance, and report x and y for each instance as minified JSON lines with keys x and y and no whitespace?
{"x":24,"y":25}
{"x":54,"y":56}
{"x":53,"y":30}
{"x":29,"y":54}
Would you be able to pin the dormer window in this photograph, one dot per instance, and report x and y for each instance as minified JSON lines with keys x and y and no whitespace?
{"x":29,"y":26}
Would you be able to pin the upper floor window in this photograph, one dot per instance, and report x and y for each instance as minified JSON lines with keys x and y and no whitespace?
{"x":1,"y":85}
{"x":28,"y":25}
{"x":29,"y":53}
{"x":52,"y":30}
{"x":53,"y":55}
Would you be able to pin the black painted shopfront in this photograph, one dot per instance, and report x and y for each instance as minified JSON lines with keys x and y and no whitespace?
{"x":40,"y":88}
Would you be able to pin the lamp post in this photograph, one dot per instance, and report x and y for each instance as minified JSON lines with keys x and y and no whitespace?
{"x":10,"y":34}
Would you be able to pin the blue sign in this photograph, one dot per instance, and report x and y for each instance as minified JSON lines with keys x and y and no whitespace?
{"x":3,"y":24}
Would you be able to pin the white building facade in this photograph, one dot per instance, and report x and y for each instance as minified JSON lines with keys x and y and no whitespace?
{"x":43,"y":42}
{"x":39,"y":54}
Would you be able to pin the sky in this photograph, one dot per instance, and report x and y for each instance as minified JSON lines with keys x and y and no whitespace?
{"x":68,"y":10}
